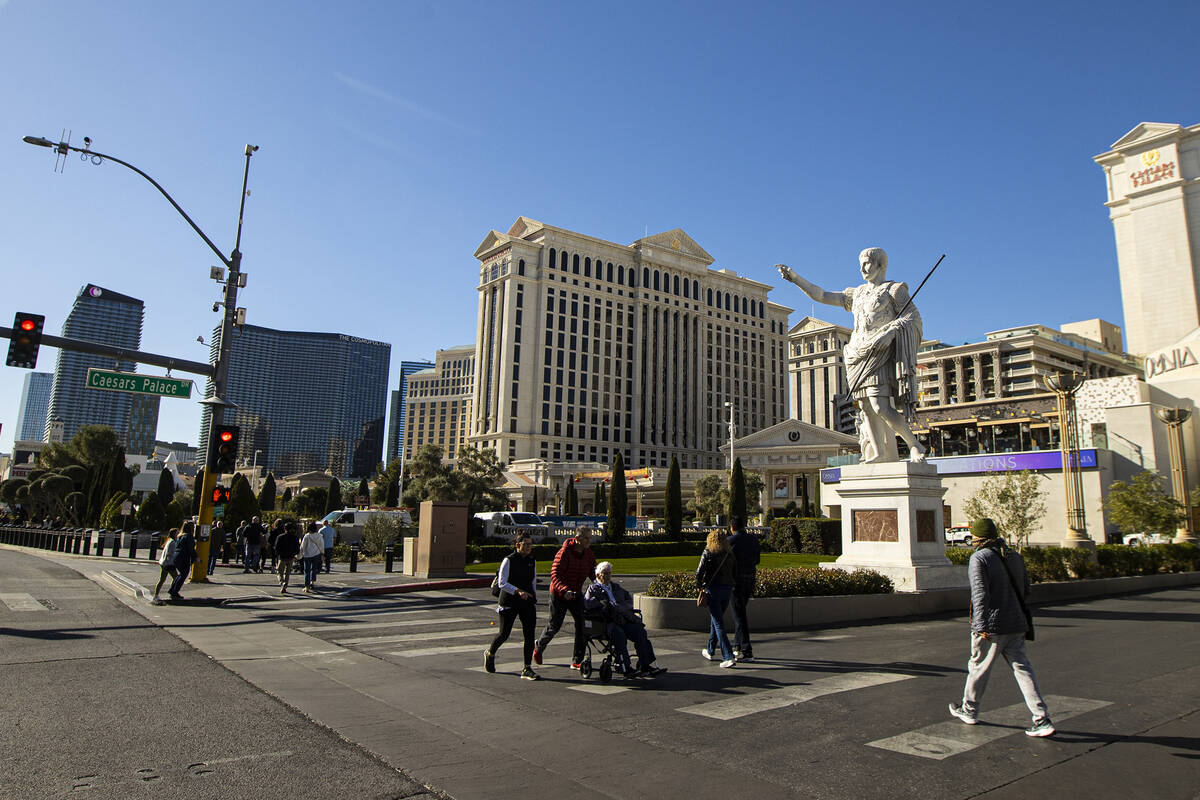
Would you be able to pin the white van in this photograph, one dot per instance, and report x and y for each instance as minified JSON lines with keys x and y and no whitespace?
{"x":499,"y":523}
{"x":350,"y":522}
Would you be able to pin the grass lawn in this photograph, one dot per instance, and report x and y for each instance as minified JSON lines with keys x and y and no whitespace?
{"x":653,"y":566}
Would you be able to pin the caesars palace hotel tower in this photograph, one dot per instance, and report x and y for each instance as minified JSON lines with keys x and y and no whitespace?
{"x":586,"y":348}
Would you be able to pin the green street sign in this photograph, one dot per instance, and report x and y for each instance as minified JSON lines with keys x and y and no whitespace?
{"x":139,"y":384}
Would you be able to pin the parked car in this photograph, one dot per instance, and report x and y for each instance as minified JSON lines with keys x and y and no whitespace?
{"x":1135,"y":539}
{"x":958,"y":536}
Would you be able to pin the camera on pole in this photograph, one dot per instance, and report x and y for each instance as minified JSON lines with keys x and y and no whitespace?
{"x":224,"y":449}
{"x":26,"y":339}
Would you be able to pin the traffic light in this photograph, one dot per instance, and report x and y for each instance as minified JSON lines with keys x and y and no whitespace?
{"x":26,"y":339}
{"x":220,"y":495}
{"x":222,"y":456}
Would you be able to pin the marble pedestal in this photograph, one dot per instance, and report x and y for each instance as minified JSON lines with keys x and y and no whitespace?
{"x":892,"y":523}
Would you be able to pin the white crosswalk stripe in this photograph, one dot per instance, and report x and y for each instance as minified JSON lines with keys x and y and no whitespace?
{"x":744,"y":705}
{"x":951,"y":738}
{"x":414,"y":637}
{"x":347,"y":626}
{"x":447,"y":650}
{"x":21,"y":601}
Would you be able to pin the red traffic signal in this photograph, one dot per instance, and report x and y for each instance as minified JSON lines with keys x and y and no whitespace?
{"x":220,"y":495}
{"x":26,"y":339}
{"x":222,"y":457}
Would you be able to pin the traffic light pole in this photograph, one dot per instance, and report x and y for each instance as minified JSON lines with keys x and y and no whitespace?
{"x":219,"y":371}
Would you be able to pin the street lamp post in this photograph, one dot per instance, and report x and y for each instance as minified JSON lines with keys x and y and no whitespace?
{"x":729,"y":405}
{"x":1175,"y":418}
{"x":233,"y":263}
{"x":1065,"y":385}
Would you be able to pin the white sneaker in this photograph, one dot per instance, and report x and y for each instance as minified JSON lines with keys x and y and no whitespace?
{"x":708,"y":655}
{"x":727,"y":663}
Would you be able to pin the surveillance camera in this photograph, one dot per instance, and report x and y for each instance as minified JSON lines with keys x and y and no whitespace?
{"x":216,"y":305}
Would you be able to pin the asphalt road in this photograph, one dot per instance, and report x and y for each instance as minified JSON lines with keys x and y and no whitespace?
{"x":855,"y":712}
{"x":99,"y":703}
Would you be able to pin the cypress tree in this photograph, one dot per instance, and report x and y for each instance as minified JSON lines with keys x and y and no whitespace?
{"x":198,"y":490}
{"x":393,"y":493}
{"x":364,"y":491}
{"x":266,"y":495}
{"x":287,"y":495}
{"x":737,"y":493}
{"x":618,"y":503}
{"x":166,"y":487}
{"x":598,"y":497}
{"x":572,"y":498}
{"x":333,"y":499}
{"x":674,"y":502}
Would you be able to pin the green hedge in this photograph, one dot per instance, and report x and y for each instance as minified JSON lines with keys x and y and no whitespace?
{"x":603,"y":550}
{"x":815,"y":535}
{"x":1112,"y":561}
{"x":784,"y":582}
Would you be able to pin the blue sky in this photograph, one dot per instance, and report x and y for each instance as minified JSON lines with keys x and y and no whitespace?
{"x":395,"y":135}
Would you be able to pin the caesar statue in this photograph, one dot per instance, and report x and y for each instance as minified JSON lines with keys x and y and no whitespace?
{"x":881,"y":356}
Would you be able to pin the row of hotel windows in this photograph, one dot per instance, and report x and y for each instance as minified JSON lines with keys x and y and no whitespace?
{"x":652,"y":279}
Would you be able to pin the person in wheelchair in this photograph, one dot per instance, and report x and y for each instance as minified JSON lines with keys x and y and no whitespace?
{"x":605,"y":598}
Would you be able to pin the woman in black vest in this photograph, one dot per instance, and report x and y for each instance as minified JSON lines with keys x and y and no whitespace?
{"x":518,"y":598}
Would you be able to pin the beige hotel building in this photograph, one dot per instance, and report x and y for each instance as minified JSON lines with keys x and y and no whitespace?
{"x":439,"y":403}
{"x":586,"y":348}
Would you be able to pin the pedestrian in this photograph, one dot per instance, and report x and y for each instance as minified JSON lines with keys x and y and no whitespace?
{"x":328,"y":535}
{"x":715,"y":577}
{"x":611,"y":600}
{"x":517,"y":582}
{"x":1000,"y":624}
{"x":185,"y":556}
{"x":216,"y":545}
{"x":166,"y":563}
{"x":573,"y":564}
{"x":746,"y":550}
{"x":312,"y":547}
{"x":276,"y":528}
{"x":253,"y":535}
{"x":287,"y":545}
{"x":239,"y":544}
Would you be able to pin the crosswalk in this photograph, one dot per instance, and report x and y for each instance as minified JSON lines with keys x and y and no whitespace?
{"x":21,"y":601}
{"x":450,"y":632}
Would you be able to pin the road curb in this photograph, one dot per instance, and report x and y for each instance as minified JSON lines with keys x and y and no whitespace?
{"x":127,"y":585}
{"x":400,"y":588}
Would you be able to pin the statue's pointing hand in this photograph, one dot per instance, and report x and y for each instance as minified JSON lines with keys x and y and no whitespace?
{"x":786,"y":272}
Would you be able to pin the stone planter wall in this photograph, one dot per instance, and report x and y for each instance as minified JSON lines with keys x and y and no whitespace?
{"x":789,"y":613}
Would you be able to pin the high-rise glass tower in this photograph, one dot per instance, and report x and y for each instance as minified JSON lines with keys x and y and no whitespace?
{"x":35,"y":399}
{"x":101,"y":315}
{"x":397,"y":410}
{"x":306,"y":401}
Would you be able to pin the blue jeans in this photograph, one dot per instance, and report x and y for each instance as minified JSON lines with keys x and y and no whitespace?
{"x":621,"y":633}
{"x":718,"y":601}
{"x":312,"y":565}
{"x":253,"y":554}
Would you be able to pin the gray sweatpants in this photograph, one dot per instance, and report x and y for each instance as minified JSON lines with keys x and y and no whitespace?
{"x":983,"y":655}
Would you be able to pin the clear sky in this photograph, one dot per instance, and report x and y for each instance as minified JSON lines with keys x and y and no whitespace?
{"x":395,"y":135}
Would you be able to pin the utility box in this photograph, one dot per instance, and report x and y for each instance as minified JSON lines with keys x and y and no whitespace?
{"x":441,"y":540}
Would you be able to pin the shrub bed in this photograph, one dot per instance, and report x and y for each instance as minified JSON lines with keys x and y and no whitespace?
{"x":1112,"y":561}
{"x":806,"y":535}
{"x":784,"y":582}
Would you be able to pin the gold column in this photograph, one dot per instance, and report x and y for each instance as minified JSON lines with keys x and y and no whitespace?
{"x":1065,"y":385}
{"x":1175,"y":417}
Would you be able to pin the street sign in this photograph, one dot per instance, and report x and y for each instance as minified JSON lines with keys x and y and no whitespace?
{"x":138,"y":384}
{"x":126,"y":508}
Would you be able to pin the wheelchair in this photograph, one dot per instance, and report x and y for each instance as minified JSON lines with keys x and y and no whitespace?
{"x":595,"y":625}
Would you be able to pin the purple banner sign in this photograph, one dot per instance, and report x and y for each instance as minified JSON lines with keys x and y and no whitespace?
{"x":1036,"y":461}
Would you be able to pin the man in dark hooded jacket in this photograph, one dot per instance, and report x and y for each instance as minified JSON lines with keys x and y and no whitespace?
{"x":998,"y":626}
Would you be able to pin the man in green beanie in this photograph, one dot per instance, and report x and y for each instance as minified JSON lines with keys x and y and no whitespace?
{"x":998,"y":625}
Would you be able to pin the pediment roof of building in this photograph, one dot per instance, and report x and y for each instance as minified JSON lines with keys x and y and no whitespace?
{"x":677,"y":241}
{"x":1146,"y":131}
{"x":524,"y":226}
{"x":811,"y":323}
{"x":308,"y":476}
{"x":793,"y":433}
{"x":493,"y":240}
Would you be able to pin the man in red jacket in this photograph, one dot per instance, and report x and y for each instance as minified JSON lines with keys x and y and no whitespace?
{"x":573,"y":563}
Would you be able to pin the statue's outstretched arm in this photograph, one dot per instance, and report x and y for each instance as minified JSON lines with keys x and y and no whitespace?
{"x":810,"y":289}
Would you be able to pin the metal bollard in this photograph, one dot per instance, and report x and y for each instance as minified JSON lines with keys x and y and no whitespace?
{"x":87,"y":542}
{"x":100,"y":541}
{"x":389,"y":555}
{"x":154,"y":546}
{"x":354,"y":558}
{"x":133,"y":542}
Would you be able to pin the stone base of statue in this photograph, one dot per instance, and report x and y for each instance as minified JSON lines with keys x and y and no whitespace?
{"x":892,"y":523}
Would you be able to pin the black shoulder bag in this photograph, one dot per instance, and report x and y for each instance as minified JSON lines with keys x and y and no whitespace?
{"x":1020,"y":597}
{"x":702,"y":598}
